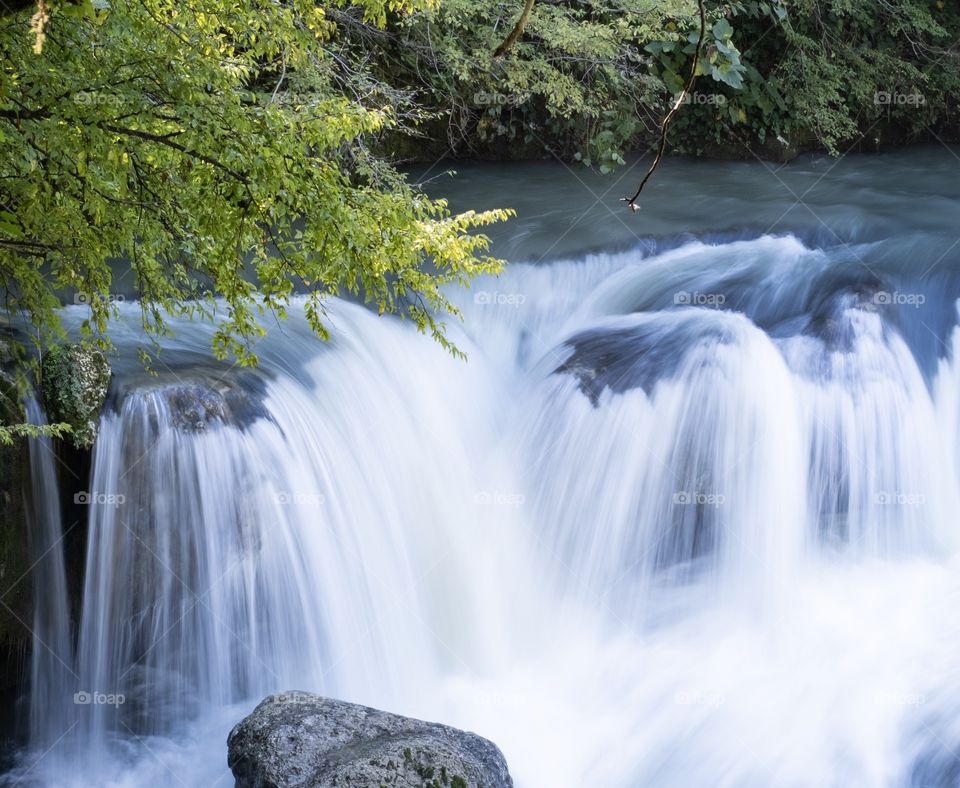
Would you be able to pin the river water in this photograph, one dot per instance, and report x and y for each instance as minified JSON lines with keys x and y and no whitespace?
{"x":687,"y":516}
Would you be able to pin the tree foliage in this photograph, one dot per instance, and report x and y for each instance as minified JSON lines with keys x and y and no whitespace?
{"x":834,"y":74}
{"x":211,"y":153}
{"x":577,"y":83}
{"x":590,"y":79}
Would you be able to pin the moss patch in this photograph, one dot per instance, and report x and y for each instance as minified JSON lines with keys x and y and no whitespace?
{"x":75,"y":382}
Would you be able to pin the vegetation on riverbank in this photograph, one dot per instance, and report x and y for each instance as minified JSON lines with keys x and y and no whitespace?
{"x":591,"y":80}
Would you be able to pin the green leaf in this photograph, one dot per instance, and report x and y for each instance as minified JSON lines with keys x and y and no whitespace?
{"x":722,"y":30}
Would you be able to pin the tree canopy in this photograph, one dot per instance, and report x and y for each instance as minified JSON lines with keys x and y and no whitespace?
{"x":592,"y":79}
{"x":212,"y":153}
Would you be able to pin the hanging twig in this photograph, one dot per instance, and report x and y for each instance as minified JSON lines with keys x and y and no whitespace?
{"x":517,"y":31}
{"x":632,"y":201}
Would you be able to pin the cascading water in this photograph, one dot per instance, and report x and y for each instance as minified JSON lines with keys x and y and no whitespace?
{"x":51,"y":676}
{"x":684,"y":519}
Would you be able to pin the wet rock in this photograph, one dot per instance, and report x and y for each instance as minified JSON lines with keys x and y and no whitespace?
{"x":305,"y":740}
{"x":621,"y":358}
{"x":196,"y":407}
{"x":75,"y":382}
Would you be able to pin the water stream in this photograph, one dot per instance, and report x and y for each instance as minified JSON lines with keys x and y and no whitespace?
{"x":687,"y":517}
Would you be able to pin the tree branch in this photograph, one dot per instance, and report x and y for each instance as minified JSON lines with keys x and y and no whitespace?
{"x":517,"y":31}
{"x":165,"y":140}
{"x":632,"y":201}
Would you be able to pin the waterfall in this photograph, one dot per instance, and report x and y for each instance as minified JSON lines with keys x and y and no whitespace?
{"x":52,"y":673}
{"x":682,"y":514}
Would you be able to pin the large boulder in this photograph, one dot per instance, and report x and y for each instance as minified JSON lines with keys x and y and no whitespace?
{"x":75,"y":382}
{"x":308,"y":741}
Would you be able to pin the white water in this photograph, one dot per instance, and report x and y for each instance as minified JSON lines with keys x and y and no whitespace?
{"x":51,"y":674}
{"x":718,"y":550}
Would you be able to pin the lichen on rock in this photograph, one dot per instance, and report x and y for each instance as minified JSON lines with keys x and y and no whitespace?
{"x":302,"y":740}
{"x":74,"y":387}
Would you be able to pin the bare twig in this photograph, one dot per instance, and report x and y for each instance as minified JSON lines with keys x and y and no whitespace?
{"x":632,"y":201}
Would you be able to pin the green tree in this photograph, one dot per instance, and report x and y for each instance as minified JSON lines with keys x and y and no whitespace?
{"x":215,"y":154}
{"x":575,"y":82}
{"x":588,"y":80}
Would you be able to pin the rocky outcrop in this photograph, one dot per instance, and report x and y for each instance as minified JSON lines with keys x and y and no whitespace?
{"x":308,"y":741}
{"x":75,"y":382}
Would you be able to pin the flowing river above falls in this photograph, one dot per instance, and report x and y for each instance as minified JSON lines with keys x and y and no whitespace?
{"x":687,"y":517}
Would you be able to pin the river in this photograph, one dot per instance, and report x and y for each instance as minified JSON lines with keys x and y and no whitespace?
{"x":686,"y":517}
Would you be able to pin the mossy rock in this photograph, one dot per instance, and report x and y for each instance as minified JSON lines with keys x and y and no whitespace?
{"x":75,"y":382}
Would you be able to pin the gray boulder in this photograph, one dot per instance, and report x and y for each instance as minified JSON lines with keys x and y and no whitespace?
{"x":305,"y":740}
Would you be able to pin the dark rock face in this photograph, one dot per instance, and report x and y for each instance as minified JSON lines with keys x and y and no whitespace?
{"x":14,"y":556}
{"x":305,"y":740}
{"x":625,"y":358}
{"x":197,"y":400}
{"x":197,"y":408}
